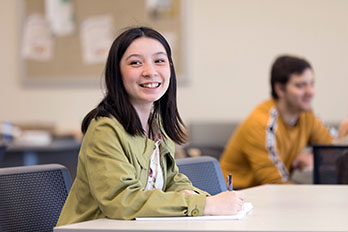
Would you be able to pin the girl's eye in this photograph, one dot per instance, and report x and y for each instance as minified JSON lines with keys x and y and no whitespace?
{"x":135,"y":62}
{"x":160,"y":61}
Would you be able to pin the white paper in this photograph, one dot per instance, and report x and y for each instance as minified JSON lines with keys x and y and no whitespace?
{"x":247,"y":207}
{"x":37,"y":39}
{"x":97,"y":35}
{"x":60,"y":15}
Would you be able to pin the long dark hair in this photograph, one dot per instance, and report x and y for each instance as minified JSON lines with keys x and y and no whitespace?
{"x":116,"y":101}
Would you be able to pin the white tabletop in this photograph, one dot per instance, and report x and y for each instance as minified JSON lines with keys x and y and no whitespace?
{"x":276,"y":208}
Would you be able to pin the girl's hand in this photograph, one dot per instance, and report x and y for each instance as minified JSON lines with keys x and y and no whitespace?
{"x":225,"y":203}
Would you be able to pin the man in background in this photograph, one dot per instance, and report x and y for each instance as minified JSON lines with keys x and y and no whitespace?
{"x":266,"y":147}
{"x":343,"y":129}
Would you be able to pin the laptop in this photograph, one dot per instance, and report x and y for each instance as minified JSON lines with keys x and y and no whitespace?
{"x":330,"y":164}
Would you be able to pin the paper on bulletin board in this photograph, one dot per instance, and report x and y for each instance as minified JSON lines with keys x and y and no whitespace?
{"x":96,"y":34}
{"x":37,"y":39}
{"x":60,"y":15}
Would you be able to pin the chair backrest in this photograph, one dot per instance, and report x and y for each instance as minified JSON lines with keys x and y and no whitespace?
{"x":204,"y":172}
{"x":330,"y":164}
{"x":32,"y":197}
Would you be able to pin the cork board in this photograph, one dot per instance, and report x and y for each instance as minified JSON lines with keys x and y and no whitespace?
{"x":66,"y":66}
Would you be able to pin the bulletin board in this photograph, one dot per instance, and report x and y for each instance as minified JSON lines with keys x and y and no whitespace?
{"x":66,"y":65}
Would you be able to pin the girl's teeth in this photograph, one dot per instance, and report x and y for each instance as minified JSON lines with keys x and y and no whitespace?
{"x":151,"y":85}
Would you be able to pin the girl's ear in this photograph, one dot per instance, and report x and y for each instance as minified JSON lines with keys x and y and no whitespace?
{"x":279,"y":89}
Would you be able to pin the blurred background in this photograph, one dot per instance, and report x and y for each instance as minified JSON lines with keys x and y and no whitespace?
{"x":226,"y":50}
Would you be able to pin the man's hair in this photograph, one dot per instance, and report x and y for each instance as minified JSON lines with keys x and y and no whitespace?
{"x":285,"y":66}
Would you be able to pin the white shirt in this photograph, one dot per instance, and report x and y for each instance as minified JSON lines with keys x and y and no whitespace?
{"x":155,"y":180}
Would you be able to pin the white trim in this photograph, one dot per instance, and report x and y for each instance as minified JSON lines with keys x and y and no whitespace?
{"x":271,"y":144}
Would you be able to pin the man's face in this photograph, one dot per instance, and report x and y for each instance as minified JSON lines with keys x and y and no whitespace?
{"x":299,"y":91}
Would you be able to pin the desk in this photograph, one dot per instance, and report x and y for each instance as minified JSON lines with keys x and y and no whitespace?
{"x":276,"y":208}
{"x":62,"y":151}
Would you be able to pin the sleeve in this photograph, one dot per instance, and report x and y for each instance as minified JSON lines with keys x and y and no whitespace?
{"x":118,"y":192}
{"x":319,"y":134}
{"x":343,"y":129}
{"x":260,"y":149}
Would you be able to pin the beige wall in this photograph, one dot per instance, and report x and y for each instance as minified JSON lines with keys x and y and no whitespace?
{"x":231,"y":45}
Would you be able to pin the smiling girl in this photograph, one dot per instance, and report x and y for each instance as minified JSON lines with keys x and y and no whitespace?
{"x":126,"y":166}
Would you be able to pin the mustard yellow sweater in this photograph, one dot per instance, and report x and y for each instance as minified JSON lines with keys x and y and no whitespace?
{"x":263,"y":147}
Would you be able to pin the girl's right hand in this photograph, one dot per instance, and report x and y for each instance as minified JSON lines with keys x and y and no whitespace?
{"x":225,"y":203}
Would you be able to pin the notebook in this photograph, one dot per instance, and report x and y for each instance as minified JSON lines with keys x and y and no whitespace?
{"x":247,"y":208}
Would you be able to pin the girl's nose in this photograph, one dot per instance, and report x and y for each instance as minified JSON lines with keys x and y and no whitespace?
{"x":149,"y":70}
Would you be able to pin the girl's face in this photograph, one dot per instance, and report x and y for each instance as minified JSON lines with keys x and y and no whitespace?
{"x":145,"y":71}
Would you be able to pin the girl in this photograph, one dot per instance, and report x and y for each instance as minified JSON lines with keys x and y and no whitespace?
{"x":126,"y":166}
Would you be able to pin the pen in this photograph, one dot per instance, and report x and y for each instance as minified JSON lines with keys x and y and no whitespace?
{"x":229,"y":181}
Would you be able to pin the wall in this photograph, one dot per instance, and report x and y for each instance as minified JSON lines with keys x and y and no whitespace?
{"x":231,"y":45}
{"x":63,"y":106}
{"x":234,"y":43}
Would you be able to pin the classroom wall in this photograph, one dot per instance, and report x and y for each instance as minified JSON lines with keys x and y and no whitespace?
{"x":231,"y":45}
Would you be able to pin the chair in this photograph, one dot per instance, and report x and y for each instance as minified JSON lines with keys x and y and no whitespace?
{"x":330,"y":164}
{"x":204,"y":172}
{"x":32,"y":197}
